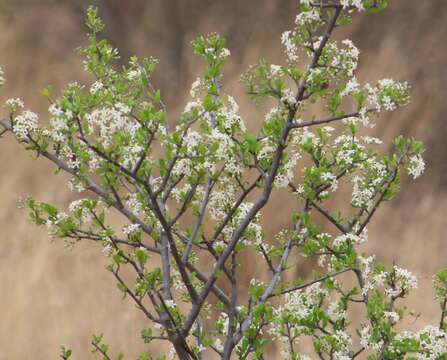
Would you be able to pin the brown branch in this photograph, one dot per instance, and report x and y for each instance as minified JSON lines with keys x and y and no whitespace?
{"x":298,"y":125}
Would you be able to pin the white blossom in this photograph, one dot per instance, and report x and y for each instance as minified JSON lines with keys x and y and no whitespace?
{"x":14,"y":104}
{"x":225,"y":53}
{"x":195,"y":87}
{"x":25,"y":124}
{"x":392,"y":316}
{"x":305,"y":18}
{"x":275,"y":70}
{"x":218,"y":344}
{"x":358,"y":4}
{"x":371,"y":140}
{"x":291,"y":48}
{"x":330,"y":179}
{"x":192,"y":140}
{"x":405,"y":281}
{"x":96,"y":86}
{"x":134,"y":74}
{"x":351,"y":86}
{"x":134,"y":204}
{"x":123,"y":108}
{"x":288,"y":97}
{"x":336,"y":312}
{"x":131,"y":228}
{"x":170,"y":303}
{"x":349,"y":238}
{"x":433,"y":343}
{"x":416,"y":166}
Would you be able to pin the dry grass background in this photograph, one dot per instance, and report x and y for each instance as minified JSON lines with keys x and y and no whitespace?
{"x":50,"y":295}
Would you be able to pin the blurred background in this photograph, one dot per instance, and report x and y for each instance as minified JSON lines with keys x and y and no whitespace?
{"x":50,"y":295}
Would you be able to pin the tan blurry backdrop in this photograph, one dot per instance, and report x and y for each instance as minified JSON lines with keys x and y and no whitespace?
{"x":50,"y":295}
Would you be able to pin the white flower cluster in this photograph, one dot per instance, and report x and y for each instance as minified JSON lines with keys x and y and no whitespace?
{"x":388,"y":94}
{"x":371,"y":140}
{"x":96,"y":86}
{"x":192,"y":140}
{"x":51,"y":223}
{"x":221,"y":54}
{"x":432,"y":342}
{"x":55,"y":110}
{"x":131,"y":154}
{"x":110,"y":121}
{"x":170,"y":304}
{"x":222,"y":323}
{"x":220,"y":202}
{"x":358,"y":4}
{"x":345,"y":59}
{"x":397,"y":283}
{"x":346,"y":147}
{"x":366,"y":339}
{"x":253,"y":234}
{"x":316,"y":77}
{"x":224,"y":144}
{"x":350,"y":238}
{"x":351,"y":87}
{"x":134,"y":205}
{"x":134,"y":74}
{"x":225,"y":123}
{"x":365,"y":264}
{"x":14,"y":104}
{"x":392,"y":316}
{"x":94,"y":161}
{"x":287,"y":39}
{"x":416,"y":166}
{"x":364,"y":188}
{"x":78,"y":207}
{"x":288,"y":97}
{"x":76,"y":184}
{"x":331,"y":180}
{"x":342,"y":344}
{"x":195,"y":87}
{"x":362,"y":195}
{"x":230,"y":114}
{"x":179,"y":193}
{"x":192,"y":105}
{"x":131,"y":229}
{"x":300,"y":304}
{"x":177,"y":282}
{"x":59,"y":123}
{"x":306,"y":18}
{"x":70,"y":157}
{"x":182,"y":167}
{"x":404,"y":280}
{"x":275,"y":70}
{"x":25,"y":124}
{"x":336,"y":311}
{"x":218,"y":345}
{"x":285,"y":175}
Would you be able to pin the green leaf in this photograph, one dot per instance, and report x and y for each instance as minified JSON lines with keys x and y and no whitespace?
{"x":146,"y":335}
{"x":141,"y":256}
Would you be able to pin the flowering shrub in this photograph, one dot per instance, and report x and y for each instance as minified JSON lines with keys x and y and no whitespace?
{"x":192,"y":190}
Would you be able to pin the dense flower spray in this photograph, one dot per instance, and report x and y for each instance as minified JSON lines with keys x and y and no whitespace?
{"x":193,"y":188}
